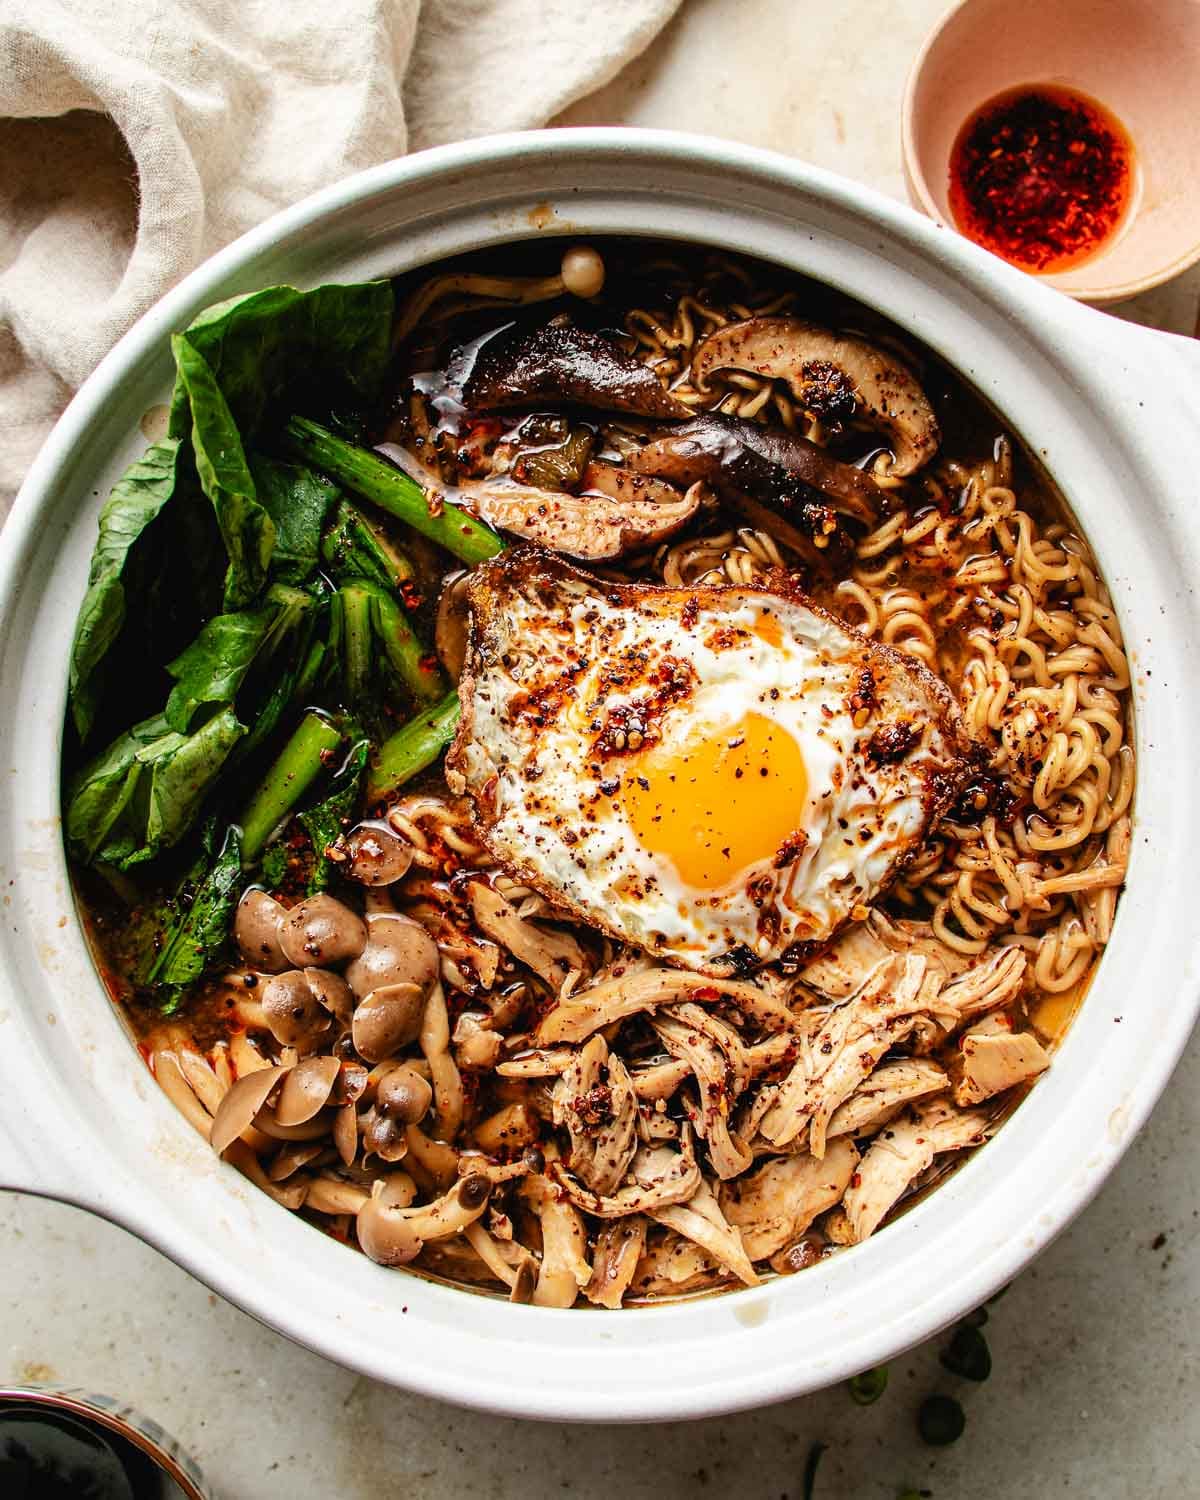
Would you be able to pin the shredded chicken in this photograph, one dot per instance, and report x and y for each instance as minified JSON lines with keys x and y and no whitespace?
{"x":773,"y":1205}
{"x":700,"y":1219}
{"x":996,"y":1057}
{"x":896,"y":1157}
{"x":619,"y":1247}
{"x":717,"y":1058}
{"x":841,"y":1046}
{"x":594,"y":1100}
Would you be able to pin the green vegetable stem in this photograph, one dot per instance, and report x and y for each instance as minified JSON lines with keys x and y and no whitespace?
{"x":417,"y":745}
{"x":298,"y":765}
{"x":416,"y":668}
{"x":383,"y":485}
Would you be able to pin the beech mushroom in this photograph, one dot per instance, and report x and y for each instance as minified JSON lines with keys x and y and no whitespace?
{"x":476,"y":1044}
{"x":403,"y":1095}
{"x":832,"y":375}
{"x":306,"y":1090}
{"x":322,"y":931}
{"x":256,"y":927}
{"x":397,"y":951}
{"x":375,"y":855}
{"x":240,"y":1105}
{"x":393,"y":1235}
{"x":294,"y":1010}
{"x":387,"y":1019}
{"x":581,"y":274}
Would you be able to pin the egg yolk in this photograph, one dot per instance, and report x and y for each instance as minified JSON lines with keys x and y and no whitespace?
{"x":717,"y":804}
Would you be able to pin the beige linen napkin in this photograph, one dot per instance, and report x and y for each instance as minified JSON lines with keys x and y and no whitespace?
{"x":138,"y":136}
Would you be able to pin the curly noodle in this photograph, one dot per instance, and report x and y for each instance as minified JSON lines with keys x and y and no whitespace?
{"x":1004,"y":602}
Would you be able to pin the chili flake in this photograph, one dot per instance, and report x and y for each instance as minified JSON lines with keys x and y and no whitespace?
{"x":1042,"y":176}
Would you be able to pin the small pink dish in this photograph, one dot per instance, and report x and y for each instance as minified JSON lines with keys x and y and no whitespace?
{"x":1137,"y":59}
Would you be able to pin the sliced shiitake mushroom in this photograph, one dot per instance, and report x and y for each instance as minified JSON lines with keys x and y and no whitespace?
{"x":451,"y":625}
{"x":256,"y":928}
{"x":321,"y":931}
{"x":834,"y":375}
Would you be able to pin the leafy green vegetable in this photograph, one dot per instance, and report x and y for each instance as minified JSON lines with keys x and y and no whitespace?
{"x":327,"y":821}
{"x":273,"y":866}
{"x":137,"y":498}
{"x":217,"y":663}
{"x":413,"y":747}
{"x":246,"y":529}
{"x":264,"y":343}
{"x":295,"y":769}
{"x":384,"y":485}
{"x":214,"y":666}
{"x":867,"y":1387}
{"x":967,"y":1354}
{"x":195,"y":944}
{"x":298,"y":502}
{"x":940,"y":1421}
{"x":354,"y":548}
{"x":145,"y":791}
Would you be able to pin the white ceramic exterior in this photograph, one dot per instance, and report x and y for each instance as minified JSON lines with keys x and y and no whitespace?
{"x":1113,"y":411}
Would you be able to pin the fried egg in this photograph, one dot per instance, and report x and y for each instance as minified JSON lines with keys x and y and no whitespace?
{"x":714,"y":774}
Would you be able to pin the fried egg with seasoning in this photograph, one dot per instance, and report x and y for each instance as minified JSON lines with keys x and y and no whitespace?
{"x":714,"y":774}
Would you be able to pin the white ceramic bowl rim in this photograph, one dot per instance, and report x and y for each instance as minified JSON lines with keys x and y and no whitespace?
{"x":81,"y":1119}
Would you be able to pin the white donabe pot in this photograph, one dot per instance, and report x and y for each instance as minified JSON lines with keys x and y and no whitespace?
{"x":1110,"y":409}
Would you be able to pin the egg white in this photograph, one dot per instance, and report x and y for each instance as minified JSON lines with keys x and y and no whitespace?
{"x":546,"y":795}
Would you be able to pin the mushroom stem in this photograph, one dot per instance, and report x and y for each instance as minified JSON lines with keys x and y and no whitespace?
{"x":447,"y":1082}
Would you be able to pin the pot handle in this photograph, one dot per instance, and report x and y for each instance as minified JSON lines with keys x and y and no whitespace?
{"x":42,"y":1175}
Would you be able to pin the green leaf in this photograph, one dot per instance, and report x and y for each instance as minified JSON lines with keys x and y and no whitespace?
{"x":274,"y":865}
{"x":144,"y":792}
{"x":98,"y":811}
{"x":265,"y":343}
{"x":196,"y":942}
{"x":326,"y":822}
{"x":298,"y":501}
{"x":246,"y":529}
{"x":213,"y":667}
{"x":137,"y":498}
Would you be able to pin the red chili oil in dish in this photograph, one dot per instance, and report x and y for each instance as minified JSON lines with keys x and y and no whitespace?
{"x":1041,"y":175}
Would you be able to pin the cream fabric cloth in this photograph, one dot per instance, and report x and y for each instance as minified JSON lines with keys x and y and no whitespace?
{"x":138,"y":136}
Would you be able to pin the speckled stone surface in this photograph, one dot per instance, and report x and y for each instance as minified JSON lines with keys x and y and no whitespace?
{"x":1095,"y":1348}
